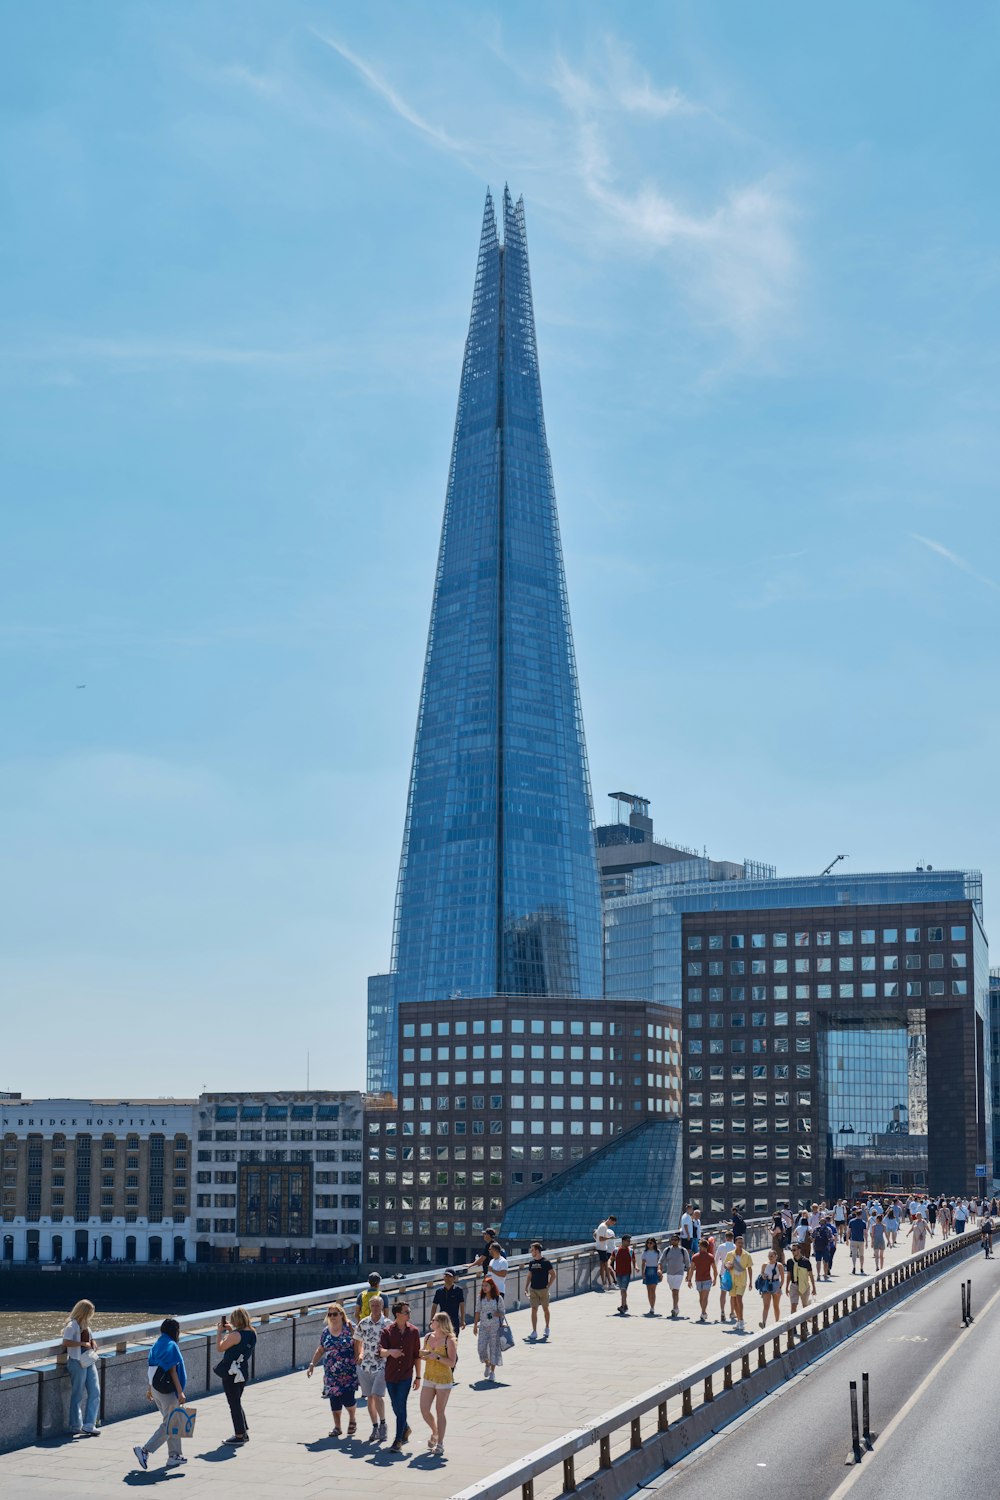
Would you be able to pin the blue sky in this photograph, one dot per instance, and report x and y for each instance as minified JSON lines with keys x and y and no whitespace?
{"x":236,"y":265}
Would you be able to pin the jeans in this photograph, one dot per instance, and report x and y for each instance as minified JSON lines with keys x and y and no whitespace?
{"x":84,"y":1378}
{"x":397,"y":1391}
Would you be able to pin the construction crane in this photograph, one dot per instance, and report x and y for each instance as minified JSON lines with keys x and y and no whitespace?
{"x":833,"y":862}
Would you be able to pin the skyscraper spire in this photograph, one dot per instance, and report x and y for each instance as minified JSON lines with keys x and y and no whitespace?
{"x":498,"y":888}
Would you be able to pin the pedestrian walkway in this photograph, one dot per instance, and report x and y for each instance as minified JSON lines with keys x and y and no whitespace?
{"x":594,"y":1360}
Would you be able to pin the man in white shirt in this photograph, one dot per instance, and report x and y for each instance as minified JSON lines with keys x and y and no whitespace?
{"x":728,"y":1247}
{"x":607,"y":1244}
{"x":497,"y":1268}
{"x":687,"y":1229}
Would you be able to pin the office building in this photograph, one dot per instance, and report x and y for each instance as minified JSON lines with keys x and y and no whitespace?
{"x":498,"y":889}
{"x":834,"y":1028}
{"x":995,"y":1064}
{"x":628,"y":844}
{"x":278,"y":1176}
{"x":498,"y":1096}
{"x":95,"y":1179}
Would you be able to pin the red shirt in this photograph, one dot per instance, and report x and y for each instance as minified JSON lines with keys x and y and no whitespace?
{"x":622,"y":1260}
{"x":400,"y":1366}
{"x":703,"y":1263}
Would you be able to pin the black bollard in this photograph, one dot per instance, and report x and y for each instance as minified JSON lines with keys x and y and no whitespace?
{"x":968,"y":1300}
{"x":855,"y":1437}
{"x":866,"y":1431}
{"x":965,"y":1315}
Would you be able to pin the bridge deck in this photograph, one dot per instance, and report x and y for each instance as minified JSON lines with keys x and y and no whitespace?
{"x":594,"y":1361}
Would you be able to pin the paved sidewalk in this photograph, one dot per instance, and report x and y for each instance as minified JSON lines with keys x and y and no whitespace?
{"x":594,"y":1361}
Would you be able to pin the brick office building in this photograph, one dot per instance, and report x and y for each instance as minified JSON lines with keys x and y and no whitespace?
{"x":497,"y":1096}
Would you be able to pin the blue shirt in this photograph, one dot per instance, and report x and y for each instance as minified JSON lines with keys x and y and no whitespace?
{"x":856,"y":1229}
{"x":166,"y":1354}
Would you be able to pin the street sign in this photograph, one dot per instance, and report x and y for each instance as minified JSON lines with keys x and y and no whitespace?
{"x":980,"y":1169}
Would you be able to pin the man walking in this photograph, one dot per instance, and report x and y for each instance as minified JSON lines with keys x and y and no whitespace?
{"x":824,"y":1245}
{"x":450,"y":1299}
{"x":676,"y":1263}
{"x":687,"y":1229}
{"x":726,"y":1248}
{"x":371,"y":1367}
{"x":624,"y":1265}
{"x":704,"y":1273}
{"x":400,"y":1345}
{"x":607,"y":1242}
{"x":541,"y":1275}
{"x":857,"y":1230}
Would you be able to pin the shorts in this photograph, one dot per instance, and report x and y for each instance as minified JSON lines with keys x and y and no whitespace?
{"x":538,"y":1296}
{"x":703,"y":1286}
{"x":372,"y":1382}
{"x":340,"y":1399}
{"x":623,"y":1283}
{"x":650,"y":1276}
{"x":857,"y":1249}
{"x":604,"y":1256}
{"x":439,"y":1385}
{"x":675,"y":1283}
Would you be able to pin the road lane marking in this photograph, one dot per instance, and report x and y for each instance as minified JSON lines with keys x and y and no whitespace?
{"x":909,"y":1404}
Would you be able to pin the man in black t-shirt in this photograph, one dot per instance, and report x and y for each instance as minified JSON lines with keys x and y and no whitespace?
{"x":450,"y":1299}
{"x":541,"y":1275}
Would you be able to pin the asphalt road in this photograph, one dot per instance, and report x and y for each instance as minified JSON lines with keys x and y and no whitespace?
{"x":935,"y":1393}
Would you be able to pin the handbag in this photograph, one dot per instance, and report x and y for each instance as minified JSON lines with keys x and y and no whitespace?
{"x":726,"y":1280}
{"x":161,"y":1381}
{"x":180,"y":1422}
{"x":506,"y":1337}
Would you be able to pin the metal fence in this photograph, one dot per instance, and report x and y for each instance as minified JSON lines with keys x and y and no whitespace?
{"x":652,"y":1410}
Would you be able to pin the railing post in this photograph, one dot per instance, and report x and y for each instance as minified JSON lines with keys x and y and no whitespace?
{"x":727,"y":1378}
{"x":636,"y":1441}
{"x":661,"y":1417}
{"x":604,"y":1461}
{"x":528,"y":1490}
{"x":709,"y":1393}
{"x":745,"y":1367}
{"x":686,"y":1407}
{"x":569,"y":1475}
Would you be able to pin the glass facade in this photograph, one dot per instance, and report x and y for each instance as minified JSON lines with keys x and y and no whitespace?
{"x":642,"y":930}
{"x":498,"y":887}
{"x":637,"y":1177}
{"x":875,"y":1085}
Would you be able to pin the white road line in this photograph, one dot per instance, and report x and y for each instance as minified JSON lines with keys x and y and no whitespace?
{"x":909,"y":1404}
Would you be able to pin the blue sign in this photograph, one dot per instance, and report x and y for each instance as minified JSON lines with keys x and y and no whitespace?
{"x":980,"y":1169}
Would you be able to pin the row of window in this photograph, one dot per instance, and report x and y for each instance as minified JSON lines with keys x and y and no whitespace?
{"x":696,"y":967}
{"x":496,"y":1050}
{"x":516,"y":1027}
{"x":737,"y":1072}
{"x":737,"y":1045}
{"x":759,"y":1099}
{"x":758,"y":1179}
{"x":868,"y":990}
{"x":760,"y":1151}
{"x":277,"y":1111}
{"x":821,"y":939}
{"x":761,"y":1124}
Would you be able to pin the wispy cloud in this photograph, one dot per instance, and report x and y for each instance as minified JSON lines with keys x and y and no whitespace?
{"x":955,"y":560}
{"x":392,"y":97}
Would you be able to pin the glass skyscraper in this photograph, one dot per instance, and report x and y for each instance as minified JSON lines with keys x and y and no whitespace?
{"x":498,"y":888}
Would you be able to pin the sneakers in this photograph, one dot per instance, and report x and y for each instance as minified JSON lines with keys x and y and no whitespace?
{"x":486,"y":1372}
{"x":407,"y":1433}
{"x":174,"y":1462}
{"x":142,"y":1457}
{"x":532,"y":1337}
{"x":545,"y":1335}
{"x":374,"y":1434}
{"x":439,"y":1450}
{"x":382,"y":1433}
{"x":396,"y":1447}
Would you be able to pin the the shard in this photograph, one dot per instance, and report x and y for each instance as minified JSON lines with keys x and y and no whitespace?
{"x":498,"y":888}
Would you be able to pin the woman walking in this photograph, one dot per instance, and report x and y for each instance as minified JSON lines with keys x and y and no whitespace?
{"x":236,"y":1341}
{"x":770,"y":1285}
{"x":487,"y":1325}
{"x":340,"y":1371}
{"x":81,"y":1361}
{"x":440,"y":1356}
{"x":891,"y":1222}
{"x":167,"y":1379}
{"x":649,"y":1263}
{"x":878,"y":1236}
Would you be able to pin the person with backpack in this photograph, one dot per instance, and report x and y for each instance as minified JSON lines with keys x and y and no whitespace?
{"x":167,"y":1379}
{"x":236,"y":1341}
{"x":824,"y":1246}
{"x":363,"y":1304}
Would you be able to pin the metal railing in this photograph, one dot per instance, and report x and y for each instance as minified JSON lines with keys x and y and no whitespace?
{"x":750,"y":1357}
{"x":574,"y":1268}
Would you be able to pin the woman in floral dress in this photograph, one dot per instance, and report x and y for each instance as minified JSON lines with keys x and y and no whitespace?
{"x":488,"y":1323}
{"x":340,"y":1372}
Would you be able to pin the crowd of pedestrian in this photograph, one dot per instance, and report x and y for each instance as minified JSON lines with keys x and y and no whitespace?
{"x":380,"y":1352}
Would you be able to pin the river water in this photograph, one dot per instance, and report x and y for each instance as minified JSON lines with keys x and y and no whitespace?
{"x":33,"y":1327}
